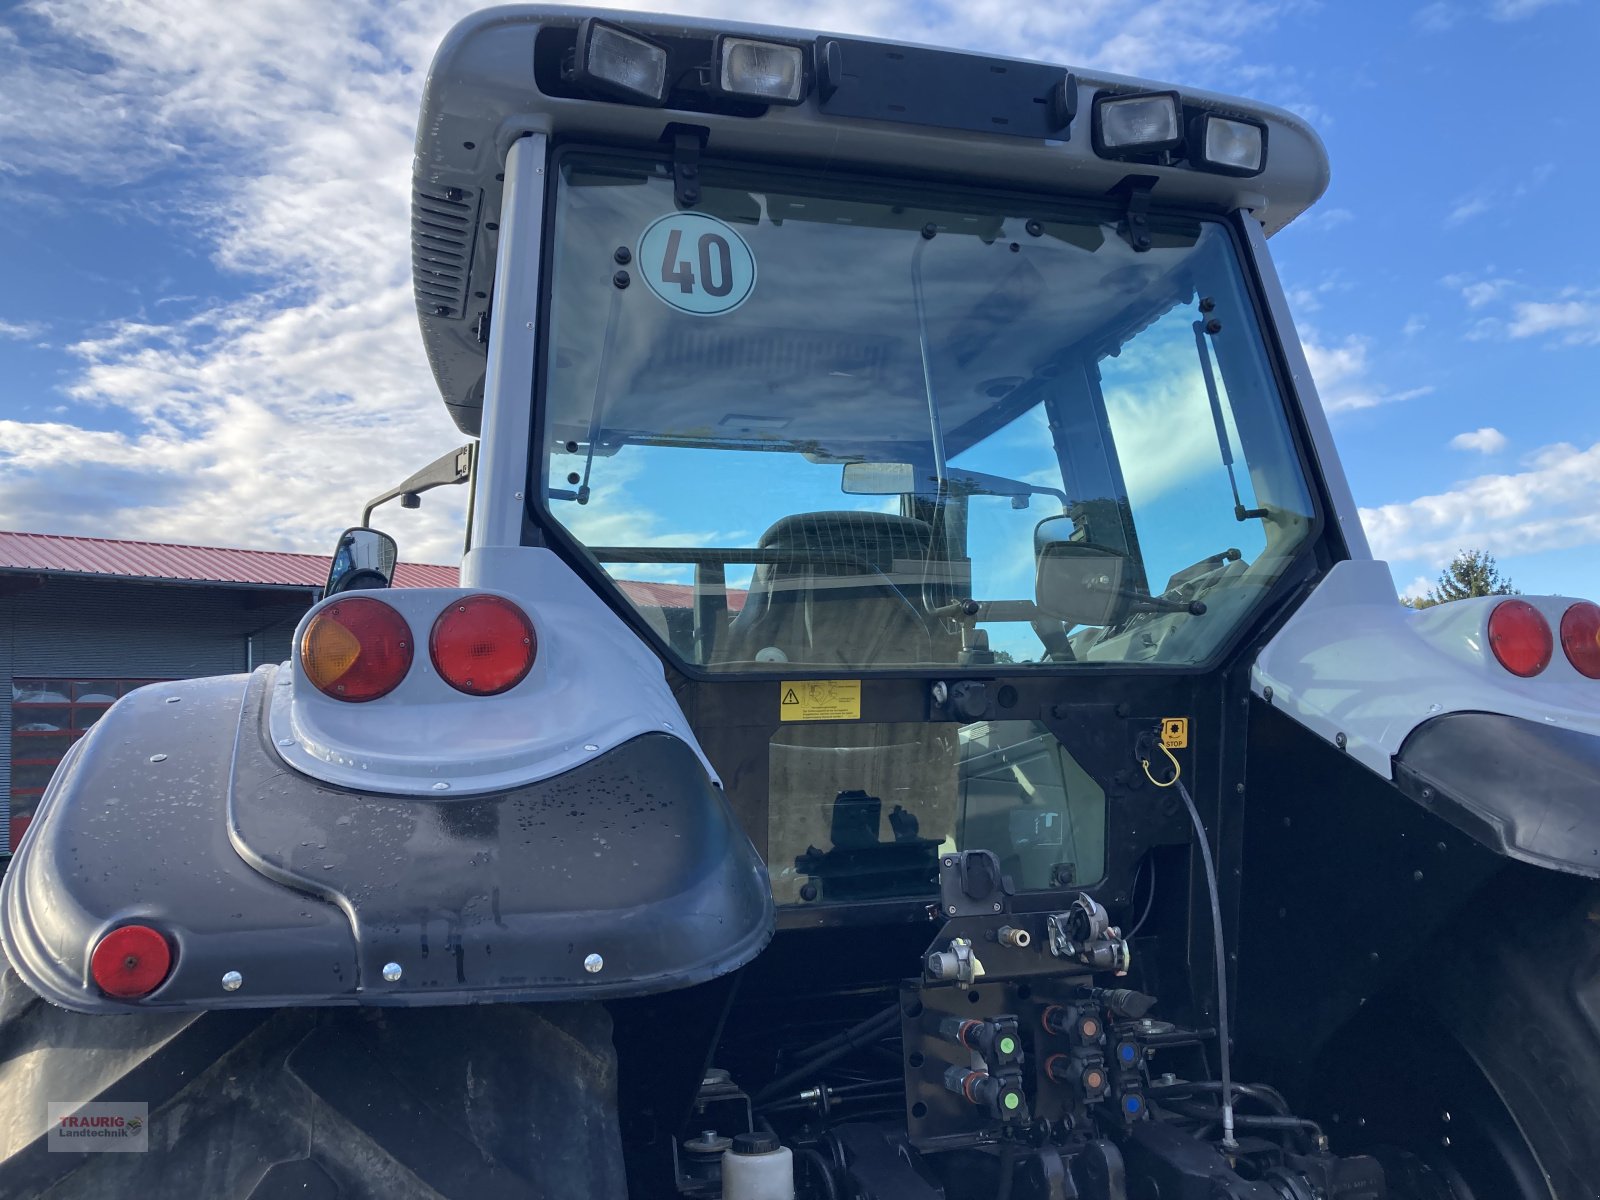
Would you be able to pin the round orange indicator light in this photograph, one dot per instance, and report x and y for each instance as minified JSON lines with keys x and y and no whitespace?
{"x":356,"y":649}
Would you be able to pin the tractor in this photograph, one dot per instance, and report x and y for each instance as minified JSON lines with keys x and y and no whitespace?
{"x":919,"y":718}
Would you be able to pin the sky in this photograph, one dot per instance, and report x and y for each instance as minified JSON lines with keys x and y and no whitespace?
{"x":207,"y":332}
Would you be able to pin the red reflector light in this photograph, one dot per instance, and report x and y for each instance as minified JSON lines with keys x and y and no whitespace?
{"x":1580,"y":637}
{"x":1520,"y":638}
{"x":483,"y":645}
{"x":358,"y":649}
{"x":130,"y":961}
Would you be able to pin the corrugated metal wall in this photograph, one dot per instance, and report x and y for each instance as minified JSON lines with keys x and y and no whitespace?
{"x":5,"y":724}
{"x":114,"y":629}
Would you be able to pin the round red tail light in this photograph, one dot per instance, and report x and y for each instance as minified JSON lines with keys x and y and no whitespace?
{"x":483,"y":645}
{"x":130,"y":961}
{"x":357,"y":649}
{"x":1520,"y":638}
{"x":1580,"y":637}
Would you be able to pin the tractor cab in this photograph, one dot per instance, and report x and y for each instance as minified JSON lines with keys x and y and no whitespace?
{"x":812,"y":435}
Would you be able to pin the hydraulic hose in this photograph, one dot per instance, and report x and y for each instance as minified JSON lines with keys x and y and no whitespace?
{"x":1225,"y":1051}
{"x":852,"y":1039}
{"x":1201,"y":1112}
{"x":823,"y":1169}
{"x":1269,"y":1096}
{"x":839,"y":1039}
{"x":1224,"y":1046}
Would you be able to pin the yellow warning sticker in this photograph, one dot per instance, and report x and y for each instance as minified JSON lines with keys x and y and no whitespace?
{"x":820,"y":700}
{"x":1175,"y":732}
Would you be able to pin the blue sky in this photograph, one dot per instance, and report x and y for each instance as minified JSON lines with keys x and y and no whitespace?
{"x":207,"y":334}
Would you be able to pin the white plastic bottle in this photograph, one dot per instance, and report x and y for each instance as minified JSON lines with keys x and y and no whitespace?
{"x":756,"y":1167}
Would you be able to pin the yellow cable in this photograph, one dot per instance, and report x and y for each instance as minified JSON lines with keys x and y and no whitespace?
{"x":1176,"y":769}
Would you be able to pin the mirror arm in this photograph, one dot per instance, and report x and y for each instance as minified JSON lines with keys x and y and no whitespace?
{"x":1195,"y":608}
{"x":450,"y":468}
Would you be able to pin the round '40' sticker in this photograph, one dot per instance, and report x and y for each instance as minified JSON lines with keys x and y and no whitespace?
{"x":697,"y":264}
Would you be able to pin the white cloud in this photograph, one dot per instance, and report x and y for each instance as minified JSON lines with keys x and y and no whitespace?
{"x":1414,"y":325}
{"x":1515,"y":10}
{"x":1303,"y":300}
{"x":1324,"y":218}
{"x":1554,"y":504}
{"x":1487,"y":440}
{"x":1577,"y":321}
{"x":1442,"y":15}
{"x":1341,"y":374}
{"x":1502,"y":193}
{"x":1417,"y":588}
{"x":1307,"y":298}
{"x":1484,"y":291}
{"x":21,"y":331}
{"x":1570,"y":317}
{"x":1468,"y":207}
{"x":1437,"y":17}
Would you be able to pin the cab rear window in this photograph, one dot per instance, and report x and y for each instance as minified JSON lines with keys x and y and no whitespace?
{"x":809,"y":423}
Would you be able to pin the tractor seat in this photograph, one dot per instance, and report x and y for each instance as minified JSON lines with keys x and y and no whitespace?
{"x":836,"y":603}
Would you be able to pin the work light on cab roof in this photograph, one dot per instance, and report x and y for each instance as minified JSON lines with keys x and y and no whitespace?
{"x":611,"y":61}
{"x":758,"y":70}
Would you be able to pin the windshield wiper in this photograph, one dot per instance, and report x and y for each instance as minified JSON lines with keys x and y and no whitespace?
{"x":1240,"y":512}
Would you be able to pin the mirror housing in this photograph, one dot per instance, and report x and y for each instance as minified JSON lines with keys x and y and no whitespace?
{"x":1078,"y":582}
{"x":365,"y":559}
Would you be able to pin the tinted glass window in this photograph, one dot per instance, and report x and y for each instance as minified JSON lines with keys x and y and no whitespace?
{"x":795,"y":428}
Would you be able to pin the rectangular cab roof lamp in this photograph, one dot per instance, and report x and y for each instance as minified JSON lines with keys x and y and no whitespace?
{"x":1228,"y":145}
{"x":611,"y":61}
{"x":767,"y":71}
{"x":1136,"y":126}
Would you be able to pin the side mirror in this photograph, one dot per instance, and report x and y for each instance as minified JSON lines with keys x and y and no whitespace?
{"x":1079,"y":583}
{"x":364,"y":559}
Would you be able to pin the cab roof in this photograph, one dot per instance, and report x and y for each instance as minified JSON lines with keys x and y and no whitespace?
{"x":498,"y":76}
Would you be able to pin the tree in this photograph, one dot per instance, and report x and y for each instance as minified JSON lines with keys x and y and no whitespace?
{"x":1470,"y":573}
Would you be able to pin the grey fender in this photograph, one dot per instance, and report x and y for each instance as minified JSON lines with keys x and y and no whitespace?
{"x":1418,"y":698}
{"x":622,"y":876}
{"x":1527,"y":790}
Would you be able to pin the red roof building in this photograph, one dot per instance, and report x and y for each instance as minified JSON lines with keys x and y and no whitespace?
{"x":165,"y":562}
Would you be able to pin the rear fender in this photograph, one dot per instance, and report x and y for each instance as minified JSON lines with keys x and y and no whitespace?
{"x":623,"y":875}
{"x":1418,"y":698}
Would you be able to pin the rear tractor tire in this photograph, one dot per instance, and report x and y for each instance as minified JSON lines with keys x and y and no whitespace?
{"x":483,"y":1102}
{"x":1480,"y":1080}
